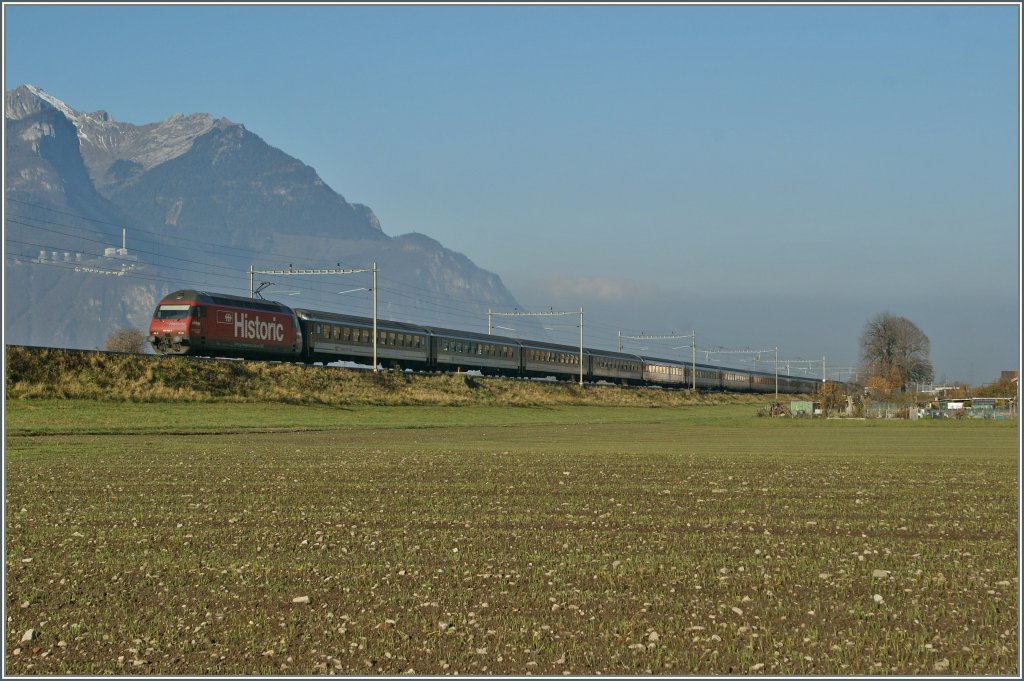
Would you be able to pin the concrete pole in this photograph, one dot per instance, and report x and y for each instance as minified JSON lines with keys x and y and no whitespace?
{"x":776,"y":373}
{"x":693,"y":359}
{"x":374,"y":317}
{"x":581,"y":347}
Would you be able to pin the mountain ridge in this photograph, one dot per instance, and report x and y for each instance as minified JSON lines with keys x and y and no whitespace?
{"x":182,"y":180}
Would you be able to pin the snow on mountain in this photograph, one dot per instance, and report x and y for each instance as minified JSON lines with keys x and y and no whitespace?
{"x":105,"y":141}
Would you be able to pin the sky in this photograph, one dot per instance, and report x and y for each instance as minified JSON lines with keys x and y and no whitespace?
{"x":763,"y":176}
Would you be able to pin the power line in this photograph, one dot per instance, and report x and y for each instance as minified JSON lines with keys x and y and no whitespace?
{"x":422,"y":300}
{"x":550,"y":313}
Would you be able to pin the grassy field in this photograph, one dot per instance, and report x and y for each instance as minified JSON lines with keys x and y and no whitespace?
{"x":175,"y":539}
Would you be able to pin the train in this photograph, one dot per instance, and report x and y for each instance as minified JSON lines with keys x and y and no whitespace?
{"x":199,"y":323}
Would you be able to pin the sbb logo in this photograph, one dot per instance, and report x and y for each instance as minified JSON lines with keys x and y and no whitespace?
{"x":257,"y":329}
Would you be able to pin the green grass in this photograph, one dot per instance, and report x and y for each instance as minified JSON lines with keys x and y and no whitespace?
{"x":54,"y":416}
{"x":171,"y":539}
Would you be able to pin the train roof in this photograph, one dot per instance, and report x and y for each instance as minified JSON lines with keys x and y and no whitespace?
{"x":192,"y":295}
{"x":561,"y":347}
{"x":354,"y":320}
{"x":714,"y":367}
{"x":473,"y":336}
{"x":616,"y":355}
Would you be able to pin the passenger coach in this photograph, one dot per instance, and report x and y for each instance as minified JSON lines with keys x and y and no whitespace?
{"x":334,"y":337}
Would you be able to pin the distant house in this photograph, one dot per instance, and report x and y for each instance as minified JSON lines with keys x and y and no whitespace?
{"x":980,"y":407}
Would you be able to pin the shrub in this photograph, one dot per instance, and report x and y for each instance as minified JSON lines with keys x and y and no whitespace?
{"x":128,"y":340}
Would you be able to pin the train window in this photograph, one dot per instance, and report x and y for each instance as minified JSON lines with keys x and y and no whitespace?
{"x":172,"y":312}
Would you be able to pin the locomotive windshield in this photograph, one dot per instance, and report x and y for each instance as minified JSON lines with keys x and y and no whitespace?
{"x":172,"y":312}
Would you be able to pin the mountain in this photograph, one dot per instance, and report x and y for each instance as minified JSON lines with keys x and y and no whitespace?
{"x":202,"y":199}
{"x":44,"y":162}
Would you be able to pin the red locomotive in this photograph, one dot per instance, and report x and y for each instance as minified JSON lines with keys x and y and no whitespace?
{"x":198,"y":323}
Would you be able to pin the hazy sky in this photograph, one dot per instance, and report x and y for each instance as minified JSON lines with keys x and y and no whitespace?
{"x":766,"y":175}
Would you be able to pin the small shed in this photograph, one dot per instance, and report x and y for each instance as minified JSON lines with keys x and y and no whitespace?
{"x":801,"y":408}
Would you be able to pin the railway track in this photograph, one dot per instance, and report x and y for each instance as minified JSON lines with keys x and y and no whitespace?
{"x":470,"y":375}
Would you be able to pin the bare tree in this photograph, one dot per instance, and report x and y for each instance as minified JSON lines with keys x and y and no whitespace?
{"x":895,"y":352}
{"x":128,"y":339}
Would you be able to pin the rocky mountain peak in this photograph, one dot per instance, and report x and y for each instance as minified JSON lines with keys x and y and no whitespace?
{"x":104,"y":141}
{"x":27,"y":100}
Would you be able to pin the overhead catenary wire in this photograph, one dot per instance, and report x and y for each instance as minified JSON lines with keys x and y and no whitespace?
{"x":392,"y":290}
